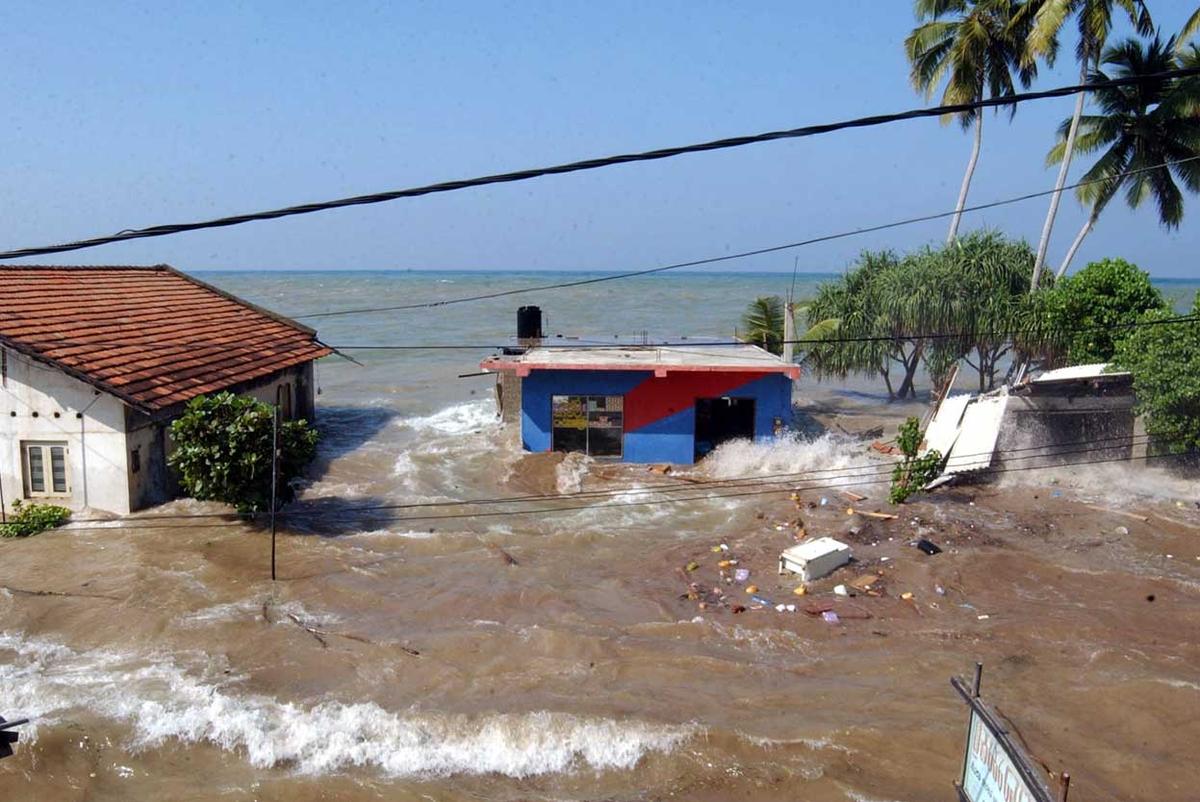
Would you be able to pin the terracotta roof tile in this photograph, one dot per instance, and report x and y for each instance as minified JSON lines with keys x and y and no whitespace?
{"x":151,"y":336}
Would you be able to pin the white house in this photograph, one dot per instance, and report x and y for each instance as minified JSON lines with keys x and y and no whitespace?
{"x":95,"y":363}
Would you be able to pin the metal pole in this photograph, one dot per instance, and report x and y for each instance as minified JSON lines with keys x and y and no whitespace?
{"x":274,"y":472}
{"x":1064,"y":786}
{"x":3,"y":512}
{"x":978,"y":680}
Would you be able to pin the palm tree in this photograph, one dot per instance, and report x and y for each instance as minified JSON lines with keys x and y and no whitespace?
{"x":763,"y":323}
{"x":974,"y":46}
{"x":1093,"y":19}
{"x":1190,"y":28}
{"x":1143,"y":127}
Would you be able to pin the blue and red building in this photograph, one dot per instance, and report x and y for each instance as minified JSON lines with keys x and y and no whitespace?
{"x":644,"y":403}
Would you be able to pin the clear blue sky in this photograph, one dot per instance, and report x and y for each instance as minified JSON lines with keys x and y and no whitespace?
{"x":123,"y":115}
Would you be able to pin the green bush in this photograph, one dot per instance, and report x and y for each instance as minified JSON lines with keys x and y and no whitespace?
{"x":29,"y":519}
{"x":1091,"y":311}
{"x":1165,"y":363}
{"x":913,"y":472}
{"x":223,"y":451}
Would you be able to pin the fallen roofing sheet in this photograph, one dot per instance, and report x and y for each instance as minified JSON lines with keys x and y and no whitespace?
{"x":943,"y":429}
{"x":976,"y":443}
{"x":1092,"y":371}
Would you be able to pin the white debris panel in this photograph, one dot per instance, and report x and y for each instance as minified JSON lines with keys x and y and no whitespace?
{"x":975,"y":446}
{"x":943,"y":429}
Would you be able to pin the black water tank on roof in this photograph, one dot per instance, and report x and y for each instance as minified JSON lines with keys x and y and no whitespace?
{"x":529,"y":323}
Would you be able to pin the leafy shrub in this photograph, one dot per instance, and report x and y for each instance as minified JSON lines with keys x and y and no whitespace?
{"x":223,"y":451}
{"x":913,"y":472}
{"x":1090,"y":312}
{"x":30,"y":519}
{"x":1165,"y":363}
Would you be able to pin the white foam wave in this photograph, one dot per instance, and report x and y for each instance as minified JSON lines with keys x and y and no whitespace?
{"x":161,"y":701}
{"x":837,"y":459}
{"x":253,"y":609}
{"x":1114,"y":482}
{"x":570,"y":473}
{"x":464,"y":418}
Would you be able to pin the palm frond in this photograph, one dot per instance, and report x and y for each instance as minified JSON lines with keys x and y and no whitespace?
{"x":1190,"y":28}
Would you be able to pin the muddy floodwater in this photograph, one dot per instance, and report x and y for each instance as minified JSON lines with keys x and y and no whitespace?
{"x":559,"y":647}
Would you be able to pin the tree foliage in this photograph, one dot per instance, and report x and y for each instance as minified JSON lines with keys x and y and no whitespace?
{"x":1091,"y":311}
{"x":223,"y":451}
{"x":973,"y":47}
{"x":972,"y":293}
{"x":30,"y":519}
{"x":762,"y":323}
{"x":1165,"y":362}
{"x":1149,"y":134}
{"x":914,"y":472}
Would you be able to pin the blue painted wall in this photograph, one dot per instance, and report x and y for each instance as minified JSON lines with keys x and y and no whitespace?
{"x":670,"y":438}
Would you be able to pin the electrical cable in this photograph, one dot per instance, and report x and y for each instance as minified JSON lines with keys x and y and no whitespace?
{"x":710,"y":497}
{"x":596,"y":163}
{"x":573,"y":346}
{"x":732,"y":256}
{"x":657,"y":487}
{"x":864,"y":470}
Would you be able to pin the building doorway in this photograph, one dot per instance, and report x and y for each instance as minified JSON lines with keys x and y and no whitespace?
{"x":722,"y":419}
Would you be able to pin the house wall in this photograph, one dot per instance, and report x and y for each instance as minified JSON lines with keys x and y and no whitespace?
{"x":102,"y":434}
{"x":659,"y":413}
{"x":69,"y":411}
{"x":303,"y":389}
{"x":155,"y":482}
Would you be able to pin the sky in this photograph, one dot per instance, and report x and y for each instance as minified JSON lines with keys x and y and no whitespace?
{"x":125,"y":115}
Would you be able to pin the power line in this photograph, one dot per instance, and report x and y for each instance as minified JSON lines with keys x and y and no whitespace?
{"x":871,"y":481}
{"x":593,"y":164}
{"x":484,"y":346}
{"x":791,"y":488}
{"x":733,"y":256}
{"x":860,"y":470}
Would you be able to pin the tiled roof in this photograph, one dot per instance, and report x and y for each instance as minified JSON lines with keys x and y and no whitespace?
{"x":151,"y":336}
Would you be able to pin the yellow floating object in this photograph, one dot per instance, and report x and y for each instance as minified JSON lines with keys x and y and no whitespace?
{"x":800,"y":591}
{"x":906,"y":596}
{"x":752,"y":588}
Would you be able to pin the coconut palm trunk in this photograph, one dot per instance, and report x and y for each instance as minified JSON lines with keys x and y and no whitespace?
{"x":1083,"y":232}
{"x":966,"y":183}
{"x":1064,"y":168}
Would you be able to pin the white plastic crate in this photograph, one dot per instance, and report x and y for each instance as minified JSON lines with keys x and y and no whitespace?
{"x":814,"y":559}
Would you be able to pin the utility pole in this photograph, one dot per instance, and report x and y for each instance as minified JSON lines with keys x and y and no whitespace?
{"x":274,"y":472}
{"x":789,"y":328}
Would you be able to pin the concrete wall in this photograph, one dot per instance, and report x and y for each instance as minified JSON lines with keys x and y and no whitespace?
{"x":40,"y":403}
{"x":102,"y":434}
{"x":156,"y":482}
{"x":303,"y":389}
{"x":660,"y":413}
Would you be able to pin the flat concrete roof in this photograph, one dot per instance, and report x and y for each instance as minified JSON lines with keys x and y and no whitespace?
{"x":662,"y":359}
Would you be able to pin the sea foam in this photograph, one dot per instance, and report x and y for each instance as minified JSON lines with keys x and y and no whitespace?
{"x":830,"y":459}
{"x":162,"y":701}
{"x":457,"y":419}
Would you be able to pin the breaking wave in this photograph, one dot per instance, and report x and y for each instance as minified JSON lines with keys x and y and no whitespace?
{"x":837,"y":458}
{"x":161,"y":701}
{"x":465,"y":418}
